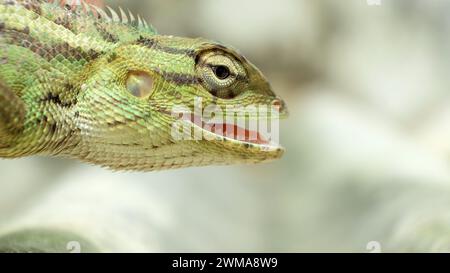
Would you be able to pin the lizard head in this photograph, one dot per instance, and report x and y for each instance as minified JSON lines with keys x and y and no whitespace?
{"x":189,"y":102}
{"x":112,"y":92}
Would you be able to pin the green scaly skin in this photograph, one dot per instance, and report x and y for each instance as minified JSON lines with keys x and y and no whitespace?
{"x":85,"y":85}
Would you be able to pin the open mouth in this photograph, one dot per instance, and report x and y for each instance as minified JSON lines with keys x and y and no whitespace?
{"x":233,"y":132}
{"x":237,"y":133}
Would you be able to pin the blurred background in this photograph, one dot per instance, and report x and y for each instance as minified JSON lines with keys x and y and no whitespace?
{"x":367,"y":166}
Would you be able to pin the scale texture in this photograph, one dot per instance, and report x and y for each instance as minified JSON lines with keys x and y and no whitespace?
{"x":90,"y":84}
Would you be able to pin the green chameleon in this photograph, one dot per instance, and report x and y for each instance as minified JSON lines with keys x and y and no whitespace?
{"x":79,"y":83}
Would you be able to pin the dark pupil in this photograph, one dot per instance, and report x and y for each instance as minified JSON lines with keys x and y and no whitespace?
{"x":222,"y":72}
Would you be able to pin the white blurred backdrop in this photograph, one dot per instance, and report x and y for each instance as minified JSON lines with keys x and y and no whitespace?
{"x":368,"y":141}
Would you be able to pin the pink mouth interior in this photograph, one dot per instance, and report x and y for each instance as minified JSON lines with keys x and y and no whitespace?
{"x":238,"y":133}
{"x":231,"y":131}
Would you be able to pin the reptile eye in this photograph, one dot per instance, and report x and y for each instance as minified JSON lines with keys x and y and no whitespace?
{"x":140,"y":84}
{"x":222,"y":72}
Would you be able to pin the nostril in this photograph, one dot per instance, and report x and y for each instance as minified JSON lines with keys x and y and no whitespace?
{"x":280,"y":106}
{"x":276,"y":103}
